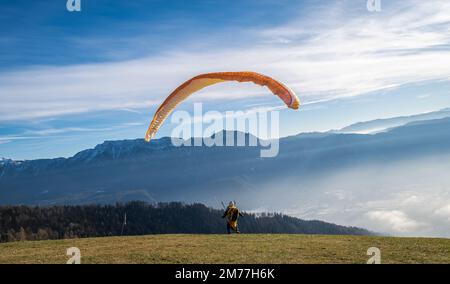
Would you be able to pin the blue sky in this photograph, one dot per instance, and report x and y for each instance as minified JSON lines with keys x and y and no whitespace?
{"x":69,"y":81}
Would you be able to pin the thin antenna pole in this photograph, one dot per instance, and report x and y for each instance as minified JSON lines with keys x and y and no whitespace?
{"x":124,"y":223}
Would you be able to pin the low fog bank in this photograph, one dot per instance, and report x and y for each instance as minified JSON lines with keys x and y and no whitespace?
{"x":407,"y":198}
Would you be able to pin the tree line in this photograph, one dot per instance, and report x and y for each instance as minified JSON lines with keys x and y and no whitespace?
{"x":20,"y":223}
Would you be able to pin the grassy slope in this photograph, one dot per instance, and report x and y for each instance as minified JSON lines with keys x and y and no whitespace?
{"x":230,"y":249}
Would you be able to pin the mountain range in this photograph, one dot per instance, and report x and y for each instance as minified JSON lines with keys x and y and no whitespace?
{"x":158,"y":171}
{"x":379,"y":125}
{"x":352,"y":179}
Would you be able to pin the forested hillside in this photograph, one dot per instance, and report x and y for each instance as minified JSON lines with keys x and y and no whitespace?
{"x":18,"y":223}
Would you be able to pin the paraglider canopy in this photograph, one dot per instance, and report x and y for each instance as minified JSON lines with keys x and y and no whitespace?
{"x":201,"y":81}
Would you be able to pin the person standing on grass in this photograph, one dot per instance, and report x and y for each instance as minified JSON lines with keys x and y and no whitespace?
{"x":232,"y":214}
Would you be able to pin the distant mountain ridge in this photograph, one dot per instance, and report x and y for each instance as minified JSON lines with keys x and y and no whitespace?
{"x":158,"y":171}
{"x":379,"y":125}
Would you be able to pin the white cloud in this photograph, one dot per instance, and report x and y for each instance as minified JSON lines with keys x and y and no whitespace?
{"x":393,"y":220}
{"x":443,"y":212}
{"x":423,"y":96}
{"x":7,"y":139}
{"x":52,"y":131}
{"x":326,"y":56}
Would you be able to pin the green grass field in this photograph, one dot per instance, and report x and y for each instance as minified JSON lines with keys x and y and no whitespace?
{"x":234,"y":249}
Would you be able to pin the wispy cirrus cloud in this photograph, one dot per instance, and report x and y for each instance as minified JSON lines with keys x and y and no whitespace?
{"x":336,"y":53}
{"x":40,"y":133}
{"x":53,"y":131}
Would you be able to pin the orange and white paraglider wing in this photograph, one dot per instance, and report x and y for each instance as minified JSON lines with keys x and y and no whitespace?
{"x":201,"y":81}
